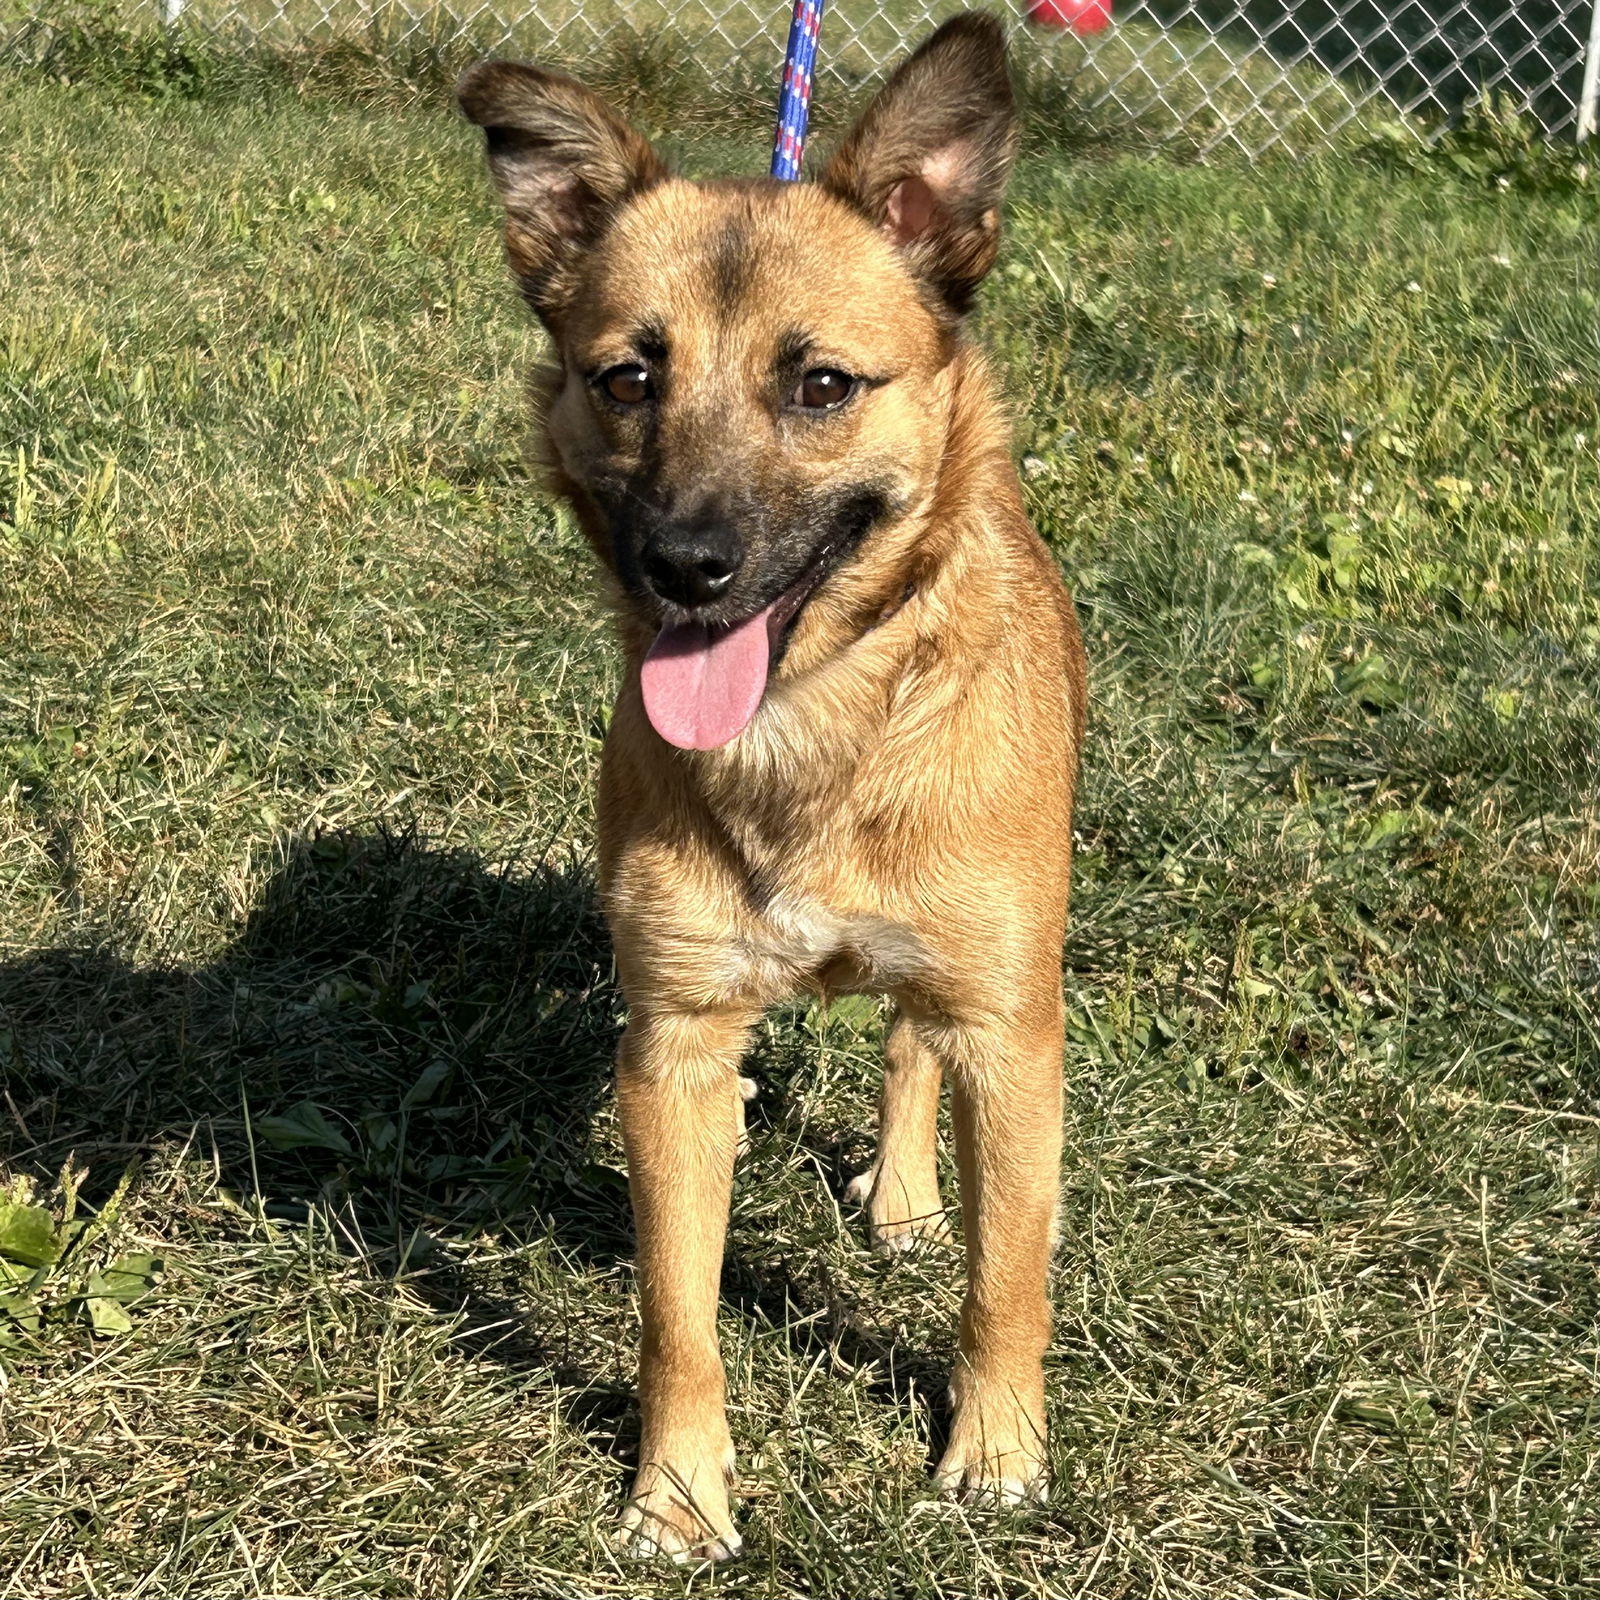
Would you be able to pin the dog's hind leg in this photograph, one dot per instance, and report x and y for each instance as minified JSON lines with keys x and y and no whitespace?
{"x":1006,"y":1104}
{"x":900,"y":1190}
{"x":677,"y":1082}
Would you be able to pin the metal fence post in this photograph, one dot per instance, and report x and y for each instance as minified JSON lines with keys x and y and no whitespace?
{"x":1591,"y":78}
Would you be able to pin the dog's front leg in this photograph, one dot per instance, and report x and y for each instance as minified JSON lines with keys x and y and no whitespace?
{"x":678,"y":1093}
{"x":900,"y":1190}
{"x":1006,"y":1100}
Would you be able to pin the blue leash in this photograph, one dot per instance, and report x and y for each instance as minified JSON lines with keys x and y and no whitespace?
{"x":794,"y":98}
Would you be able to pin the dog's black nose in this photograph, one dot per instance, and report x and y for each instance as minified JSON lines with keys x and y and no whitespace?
{"x":692,"y":566}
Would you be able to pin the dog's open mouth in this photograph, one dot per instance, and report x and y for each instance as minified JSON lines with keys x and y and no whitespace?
{"x":702,"y":684}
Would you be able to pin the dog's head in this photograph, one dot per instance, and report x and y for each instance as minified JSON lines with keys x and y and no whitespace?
{"x":750,"y":374}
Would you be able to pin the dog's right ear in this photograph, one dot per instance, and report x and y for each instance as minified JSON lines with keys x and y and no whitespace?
{"x":562,"y":161}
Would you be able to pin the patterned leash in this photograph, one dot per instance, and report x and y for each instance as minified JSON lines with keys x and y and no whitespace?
{"x":794,"y":98}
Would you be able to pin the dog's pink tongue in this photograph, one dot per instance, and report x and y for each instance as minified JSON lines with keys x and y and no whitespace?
{"x":702,"y":685}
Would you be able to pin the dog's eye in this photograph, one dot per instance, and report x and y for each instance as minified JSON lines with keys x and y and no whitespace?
{"x":824,"y":388}
{"x":627,"y":384}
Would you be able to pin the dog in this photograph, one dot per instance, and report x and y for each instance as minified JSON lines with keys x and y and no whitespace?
{"x":845,"y":749}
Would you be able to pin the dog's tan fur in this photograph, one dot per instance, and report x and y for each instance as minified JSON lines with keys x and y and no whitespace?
{"x":897,"y":816}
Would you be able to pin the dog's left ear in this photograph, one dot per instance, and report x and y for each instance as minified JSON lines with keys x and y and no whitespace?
{"x":563,"y":162}
{"x":928,"y":162}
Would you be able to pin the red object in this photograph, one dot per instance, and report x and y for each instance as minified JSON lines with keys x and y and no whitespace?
{"x":1081,"y":16}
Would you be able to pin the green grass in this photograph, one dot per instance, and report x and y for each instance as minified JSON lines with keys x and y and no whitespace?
{"x":300,"y":693}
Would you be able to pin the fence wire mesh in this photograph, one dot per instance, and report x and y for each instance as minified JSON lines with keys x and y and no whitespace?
{"x":1246,"y":74}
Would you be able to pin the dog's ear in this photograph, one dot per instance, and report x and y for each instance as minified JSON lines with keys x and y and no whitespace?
{"x":563,"y":162}
{"x":928,"y":162}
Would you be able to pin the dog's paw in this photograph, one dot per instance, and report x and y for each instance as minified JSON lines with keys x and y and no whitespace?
{"x":644,"y":1536}
{"x":900,"y":1214}
{"x":681,"y":1514}
{"x":996,"y":1461}
{"x":988,"y":1486}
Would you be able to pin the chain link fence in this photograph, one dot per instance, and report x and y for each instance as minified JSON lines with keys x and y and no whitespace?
{"x":1250,"y":75}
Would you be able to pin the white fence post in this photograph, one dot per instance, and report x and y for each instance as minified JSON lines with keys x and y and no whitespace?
{"x":1591,"y":78}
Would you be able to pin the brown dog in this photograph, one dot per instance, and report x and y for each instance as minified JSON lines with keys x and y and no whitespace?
{"x":844,"y":753}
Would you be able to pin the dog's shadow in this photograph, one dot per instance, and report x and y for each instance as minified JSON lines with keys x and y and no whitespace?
{"x":403,"y":1033}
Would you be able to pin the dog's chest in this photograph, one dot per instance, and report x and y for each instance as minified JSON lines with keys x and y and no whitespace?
{"x":798,"y":943}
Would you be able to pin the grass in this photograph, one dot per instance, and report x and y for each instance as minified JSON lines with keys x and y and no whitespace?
{"x":306,"y":1012}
